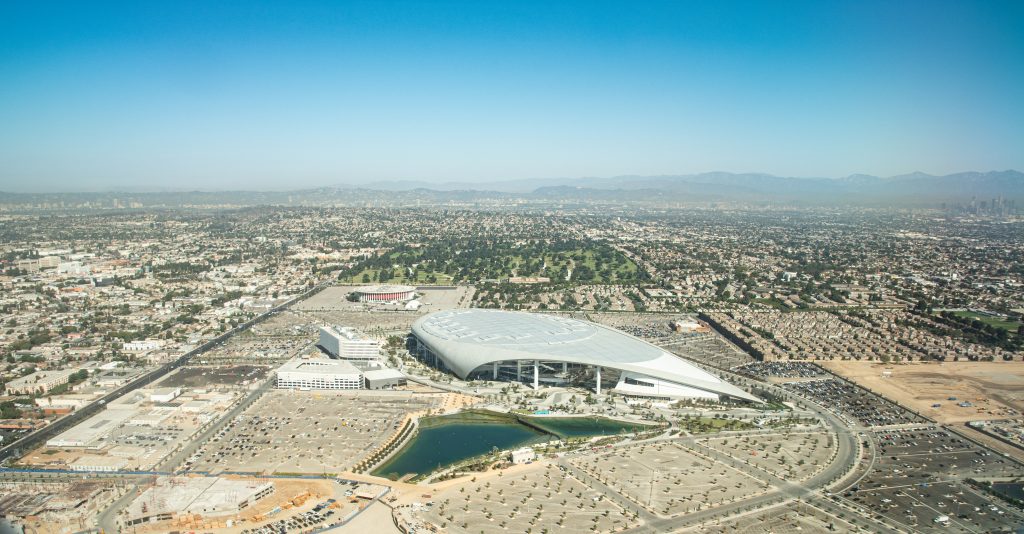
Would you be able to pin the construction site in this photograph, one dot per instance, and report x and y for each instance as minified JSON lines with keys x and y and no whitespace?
{"x":244,"y":504}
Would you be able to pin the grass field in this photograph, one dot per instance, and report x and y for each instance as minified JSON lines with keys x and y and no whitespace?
{"x":447,"y":263}
{"x":699,"y":425}
{"x":422,"y":277}
{"x":997,"y":322}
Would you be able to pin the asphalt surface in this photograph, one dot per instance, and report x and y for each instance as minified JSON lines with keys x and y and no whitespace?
{"x":36,"y":438}
{"x":172,"y":462}
{"x":784,"y":492}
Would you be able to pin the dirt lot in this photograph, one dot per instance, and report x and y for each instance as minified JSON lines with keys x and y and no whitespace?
{"x":995,"y":389}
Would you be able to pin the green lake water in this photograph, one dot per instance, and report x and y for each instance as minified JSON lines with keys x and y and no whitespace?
{"x":575,"y":427}
{"x":448,"y":439}
{"x":1013,"y":490}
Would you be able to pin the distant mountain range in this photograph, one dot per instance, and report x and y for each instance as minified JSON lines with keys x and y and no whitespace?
{"x":859,"y":189}
{"x":753,"y":186}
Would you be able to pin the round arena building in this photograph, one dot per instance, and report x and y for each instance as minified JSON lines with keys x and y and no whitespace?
{"x":540,"y":349}
{"x":385,"y":293}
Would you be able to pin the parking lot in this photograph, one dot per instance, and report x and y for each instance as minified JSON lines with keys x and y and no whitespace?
{"x":307,"y":432}
{"x":374,"y":324}
{"x":256,"y":347}
{"x":324,"y":514}
{"x":432,"y":298}
{"x":921,"y":507}
{"x":301,"y":522}
{"x":919,"y":479}
{"x":645,"y":325}
{"x":707,"y":347}
{"x":378,"y":320}
{"x":540,"y":496}
{"x":205,"y":377}
{"x":285,"y":323}
{"x":669,"y":479}
{"x":859,"y":403}
{"x":796,"y":518}
{"x":780,"y":369}
{"x":794,"y":456}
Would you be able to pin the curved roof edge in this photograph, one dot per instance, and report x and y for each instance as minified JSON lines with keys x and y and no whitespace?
{"x":463,"y":358}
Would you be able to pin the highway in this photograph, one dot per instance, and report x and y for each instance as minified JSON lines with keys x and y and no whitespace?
{"x":784,"y":492}
{"x":172,"y":462}
{"x":842,"y":467}
{"x":36,"y":438}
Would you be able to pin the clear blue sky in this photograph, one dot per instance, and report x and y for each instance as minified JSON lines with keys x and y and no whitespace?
{"x":223,"y":95}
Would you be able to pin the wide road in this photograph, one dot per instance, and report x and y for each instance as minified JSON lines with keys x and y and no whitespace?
{"x":172,"y":462}
{"x":107,"y":519}
{"x":34,"y":439}
{"x":847,"y":457}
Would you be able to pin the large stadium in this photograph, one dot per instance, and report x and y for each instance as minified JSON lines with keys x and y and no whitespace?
{"x":385,"y":293}
{"x":540,"y":349}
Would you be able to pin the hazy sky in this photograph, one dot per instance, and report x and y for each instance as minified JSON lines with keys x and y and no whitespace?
{"x":221,"y":95}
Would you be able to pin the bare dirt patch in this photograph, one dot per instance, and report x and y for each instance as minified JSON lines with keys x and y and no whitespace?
{"x":995,"y":390}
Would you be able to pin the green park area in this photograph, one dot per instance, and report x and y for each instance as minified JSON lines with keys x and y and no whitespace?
{"x":451,"y":262}
{"x":998,"y":322}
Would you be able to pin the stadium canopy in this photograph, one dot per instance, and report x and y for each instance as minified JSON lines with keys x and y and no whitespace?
{"x":467,"y":340}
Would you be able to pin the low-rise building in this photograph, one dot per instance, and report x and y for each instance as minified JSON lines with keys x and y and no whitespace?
{"x":319,"y":374}
{"x":38,"y":382}
{"x":143,"y":346}
{"x":384,"y":378}
{"x":99,"y":464}
{"x":347,"y":344}
{"x":92,"y":432}
{"x":164,"y":394}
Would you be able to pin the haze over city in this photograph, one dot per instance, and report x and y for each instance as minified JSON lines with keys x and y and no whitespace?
{"x":150,"y":96}
{"x":453,"y":267}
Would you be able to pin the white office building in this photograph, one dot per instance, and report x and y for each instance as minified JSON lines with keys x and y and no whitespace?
{"x":347,"y":344}
{"x":142,"y":346}
{"x":312,"y":374}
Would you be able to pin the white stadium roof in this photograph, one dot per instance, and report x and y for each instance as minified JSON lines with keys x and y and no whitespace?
{"x":468,"y":339}
{"x":372,"y":290}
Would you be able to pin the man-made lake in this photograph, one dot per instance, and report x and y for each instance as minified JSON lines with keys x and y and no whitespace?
{"x":1013,"y":490}
{"x":448,"y":439}
{"x":575,"y":427}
